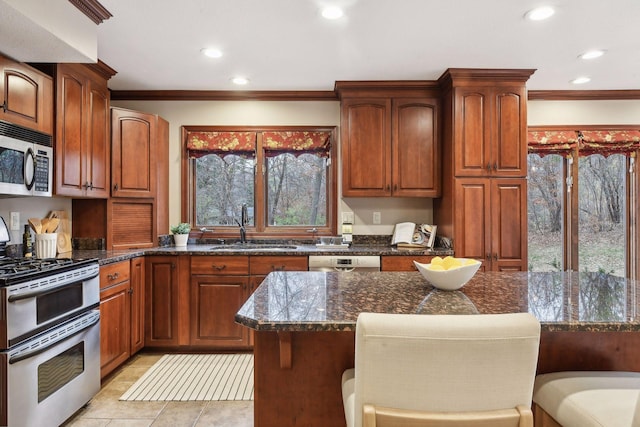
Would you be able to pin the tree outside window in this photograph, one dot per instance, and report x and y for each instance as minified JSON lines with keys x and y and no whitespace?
{"x":284,"y":175}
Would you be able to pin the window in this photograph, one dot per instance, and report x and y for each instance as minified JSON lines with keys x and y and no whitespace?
{"x":283,"y":175}
{"x":580,"y":200}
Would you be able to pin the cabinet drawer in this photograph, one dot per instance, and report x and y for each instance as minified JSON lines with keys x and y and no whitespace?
{"x":224,"y":265}
{"x":111,"y":274}
{"x":267,"y":264}
{"x":403,"y":263}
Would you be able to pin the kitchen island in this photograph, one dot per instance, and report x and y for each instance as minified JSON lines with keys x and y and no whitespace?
{"x":304,"y":326}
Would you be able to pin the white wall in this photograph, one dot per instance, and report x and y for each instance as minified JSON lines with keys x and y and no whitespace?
{"x":31,"y":207}
{"x":620,"y":112}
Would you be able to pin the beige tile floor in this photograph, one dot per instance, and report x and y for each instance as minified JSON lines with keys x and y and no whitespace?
{"x":106,"y":410}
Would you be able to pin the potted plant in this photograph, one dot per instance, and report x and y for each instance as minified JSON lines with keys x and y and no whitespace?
{"x":181,"y":233}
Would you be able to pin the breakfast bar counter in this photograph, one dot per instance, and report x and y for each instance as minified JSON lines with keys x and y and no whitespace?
{"x":304,"y":325}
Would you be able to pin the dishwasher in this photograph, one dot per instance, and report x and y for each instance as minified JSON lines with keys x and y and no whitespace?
{"x":344,"y":263}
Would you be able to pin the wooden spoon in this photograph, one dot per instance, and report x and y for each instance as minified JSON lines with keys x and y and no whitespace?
{"x":45,"y":225}
{"x":53,"y":225}
{"x":36,"y":225}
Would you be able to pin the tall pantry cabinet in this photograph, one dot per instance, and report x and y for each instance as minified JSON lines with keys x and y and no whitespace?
{"x":483,"y":207}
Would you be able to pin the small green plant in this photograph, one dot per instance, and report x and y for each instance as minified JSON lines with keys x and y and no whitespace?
{"x":182,"y":228}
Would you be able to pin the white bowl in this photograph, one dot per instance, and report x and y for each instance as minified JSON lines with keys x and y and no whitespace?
{"x":449,"y":280}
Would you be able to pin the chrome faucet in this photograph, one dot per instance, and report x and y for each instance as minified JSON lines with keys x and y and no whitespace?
{"x":244,"y":219}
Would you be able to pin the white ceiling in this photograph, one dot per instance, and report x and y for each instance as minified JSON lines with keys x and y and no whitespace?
{"x":286,"y":45}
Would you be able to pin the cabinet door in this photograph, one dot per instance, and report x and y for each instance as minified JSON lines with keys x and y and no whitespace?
{"x":133,"y":153}
{"x":509,"y":135}
{"x":114,"y":327}
{"x":472,"y":220}
{"x":472,"y":132}
{"x":71,"y":149}
{"x":416,"y":166}
{"x":137,"y":304}
{"x":509,"y":224}
{"x":26,"y":96}
{"x":215,"y":300}
{"x":403,"y":262}
{"x":98,"y":141}
{"x":366,"y":147}
{"x":161,"y":302}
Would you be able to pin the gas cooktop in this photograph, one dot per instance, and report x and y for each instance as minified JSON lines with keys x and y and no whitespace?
{"x":13,"y":269}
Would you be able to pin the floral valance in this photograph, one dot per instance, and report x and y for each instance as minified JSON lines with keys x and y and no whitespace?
{"x":604,"y":142}
{"x":296,"y":142}
{"x":560,"y":142}
{"x":607,"y":142}
{"x":202,"y":143}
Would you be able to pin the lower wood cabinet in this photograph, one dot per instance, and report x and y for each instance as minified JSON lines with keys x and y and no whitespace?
{"x":402,"y":262}
{"x":121,"y":312}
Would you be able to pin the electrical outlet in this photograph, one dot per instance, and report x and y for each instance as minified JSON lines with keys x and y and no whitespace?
{"x":347,"y":217}
{"x":377,"y":218}
{"x":15,"y":221}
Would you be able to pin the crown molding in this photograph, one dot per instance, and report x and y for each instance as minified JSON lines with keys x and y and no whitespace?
{"x":582,"y":95}
{"x":221,"y":95}
{"x":92,"y":9}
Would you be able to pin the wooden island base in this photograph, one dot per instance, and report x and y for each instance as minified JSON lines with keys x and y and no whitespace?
{"x":308,"y":393}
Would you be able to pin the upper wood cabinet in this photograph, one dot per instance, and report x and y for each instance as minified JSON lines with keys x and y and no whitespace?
{"x":133,"y":167}
{"x":26,"y":95}
{"x":83,"y":149}
{"x":390,"y":143}
{"x":489,"y":131}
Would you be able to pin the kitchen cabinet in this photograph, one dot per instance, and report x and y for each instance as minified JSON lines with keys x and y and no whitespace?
{"x":483,"y":207}
{"x":26,"y":96}
{"x":136,"y":213}
{"x":219,"y":287}
{"x":491,"y":220}
{"x":489,"y":131}
{"x":115,"y":316}
{"x":166,"y":301}
{"x":390,"y":142}
{"x":402,"y":262}
{"x":137,"y":284}
{"x":135,"y":148}
{"x":82,"y":149}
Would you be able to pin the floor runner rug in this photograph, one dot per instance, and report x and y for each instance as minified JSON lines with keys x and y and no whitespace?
{"x":182,"y":377}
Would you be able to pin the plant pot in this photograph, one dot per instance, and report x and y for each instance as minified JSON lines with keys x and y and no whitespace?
{"x":180,"y":239}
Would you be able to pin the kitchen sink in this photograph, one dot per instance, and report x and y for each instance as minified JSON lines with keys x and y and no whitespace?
{"x":253,"y":247}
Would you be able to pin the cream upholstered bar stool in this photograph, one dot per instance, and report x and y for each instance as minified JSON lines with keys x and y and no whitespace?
{"x":442,"y":370}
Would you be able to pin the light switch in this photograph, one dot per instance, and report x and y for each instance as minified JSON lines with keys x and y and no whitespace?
{"x":15,"y":221}
{"x":347,"y":217}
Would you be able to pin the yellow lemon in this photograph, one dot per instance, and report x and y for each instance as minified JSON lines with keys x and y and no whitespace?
{"x":435,"y":267}
{"x":451,"y":262}
{"x":470,"y":261}
{"x":436,"y":260}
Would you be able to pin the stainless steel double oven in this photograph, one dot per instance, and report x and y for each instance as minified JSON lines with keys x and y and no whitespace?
{"x":50,"y":337}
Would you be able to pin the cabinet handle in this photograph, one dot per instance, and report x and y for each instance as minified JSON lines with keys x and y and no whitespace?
{"x":130,"y":291}
{"x":91,"y":186}
{"x":395,"y":187}
{"x":489,"y":167}
{"x":388,"y":187}
{"x":115,"y":187}
{"x":4,"y":106}
{"x":488,"y":257}
{"x":113,"y":276}
{"x":219,"y":267}
{"x":495,"y":166}
{"x":86,"y":185}
{"x":277,"y":268}
{"x":495,"y":257}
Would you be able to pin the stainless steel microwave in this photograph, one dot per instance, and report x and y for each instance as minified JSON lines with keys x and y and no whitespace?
{"x":26,"y":162}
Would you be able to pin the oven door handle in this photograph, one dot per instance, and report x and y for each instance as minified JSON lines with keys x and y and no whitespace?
{"x":27,"y":355}
{"x":34,"y":294}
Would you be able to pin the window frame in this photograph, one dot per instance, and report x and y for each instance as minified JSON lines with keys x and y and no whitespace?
{"x":260,"y":229}
{"x":571,"y":203}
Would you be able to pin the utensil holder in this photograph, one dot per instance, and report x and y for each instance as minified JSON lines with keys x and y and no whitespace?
{"x":46,"y":245}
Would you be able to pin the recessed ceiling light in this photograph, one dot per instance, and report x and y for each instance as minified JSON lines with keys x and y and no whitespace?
{"x":332,"y":12}
{"x":580,"y":80}
{"x":211,"y":52}
{"x":592,"y":54}
{"x":540,"y":13}
{"x":240,"y":80}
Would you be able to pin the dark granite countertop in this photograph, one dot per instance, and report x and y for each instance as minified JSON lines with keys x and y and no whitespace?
{"x":563,"y":301}
{"x":111,"y":256}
